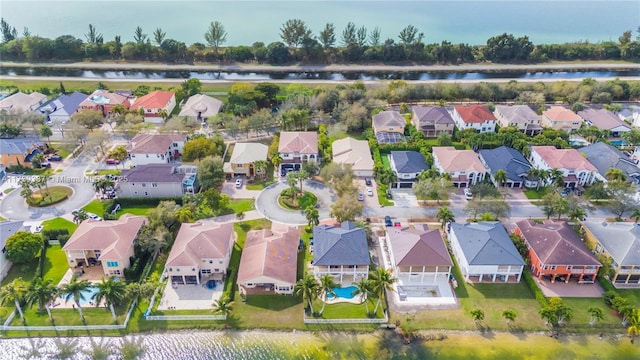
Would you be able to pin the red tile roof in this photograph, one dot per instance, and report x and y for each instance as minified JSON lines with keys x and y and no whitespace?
{"x":474,"y":113}
{"x":155,"y":100}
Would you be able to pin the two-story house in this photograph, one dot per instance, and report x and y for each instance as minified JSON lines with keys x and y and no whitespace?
{"x":296,"y":148}
{"x":20,"y":151}
{"x":476,"y":117}
{"x":156,"y":106}
{"x":201,"y":252}
{"x":604,"y":119}
{"x":104,"y":243}
{"x":464,"y":166}
{"x":341,"y":251}
{"x":388,"y":127}
{"x":519,"y":116}
{"x":145,"y":149}
{"x":432,"y":120}
{"x":604,"y":157}
{"x":576,"y":170}
{"x":556,"y":252}
{"x":158,"y":181}
{"x":407,"y":165}
{"x":561,"y":118}
{"x":243,"y":158}
{"x":620,"y":241}
{"x":355,"y":153}
{"x":512,"y":162}
{"x":103,"y":101}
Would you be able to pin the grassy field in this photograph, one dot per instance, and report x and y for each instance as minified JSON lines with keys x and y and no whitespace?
{"x":95,"y":206}
{"x":87,"y":85}
{"x":243,"y":205}
{"x":55,"y":265}
{"x":532,"y":194}
{"x":60,"y":223}
{"x":92,"y":315}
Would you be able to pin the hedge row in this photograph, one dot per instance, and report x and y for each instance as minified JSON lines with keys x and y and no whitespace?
{"x":147,"y":201}
{"x":535,"y":289}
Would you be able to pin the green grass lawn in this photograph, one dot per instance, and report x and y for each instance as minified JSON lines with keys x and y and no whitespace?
{"x":50,"y":196}
{"x":135,"y":210}
{"x":243,"y":205}
{"x":116,"y":172}
{"x":532,"y":194}
{"x":55,"y":266}
{"x":347,"y":310}
{"x":382,"y":195}
{"x":60,"y":223}
{"x":25,"y":271}
{"x":95,"y":206}
{"x":93,"y":316}
{"x":259,"y":185}
{"x":579,"y":308}
{"x":385,"y":160}
{"x":632,"y":294}
{"x":9,"y":190}
{"x":267,"y":311}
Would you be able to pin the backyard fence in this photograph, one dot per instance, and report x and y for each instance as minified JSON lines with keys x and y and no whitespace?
{"x":345,"y":321}
{"x":186,"y":317}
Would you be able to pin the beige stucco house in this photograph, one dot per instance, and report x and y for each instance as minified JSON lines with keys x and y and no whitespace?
{"x":355,"y":153}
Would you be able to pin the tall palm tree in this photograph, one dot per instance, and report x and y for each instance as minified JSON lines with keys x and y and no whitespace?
{"x":381,"y":281}
{"x":313,"y":217}
{"x":112,"y":291}
{"x":327,"y":284}
{"x":500,"y":177}
{"x":276,"y":161}
{"x":15,"y":292}
{"x":42,"y":292}
{"x":79,"y":216}
{"x":163,"y":114}
{"x":307,"y":287}
{"x":364,"y":290}
{"x":614,"y":174}
{"x":634,"y":324}
{"x":74,"y":290}
{"x":184,"y":215}
{"x":445,"y":215}
{"x":223,"y":305}
{"x":577,"y":214}
{"x":261,"y":167}
{"x":556,"y":176}
{"x":635,"y":214}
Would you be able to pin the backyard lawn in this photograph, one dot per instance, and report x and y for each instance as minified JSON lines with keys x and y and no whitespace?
{"x":95,"y":206}
{"x":60,"y":223}
{"x":347,"y":310}
{"x":55,"y":265}
{"x":267,"y":311}
{"x":92,"y":315}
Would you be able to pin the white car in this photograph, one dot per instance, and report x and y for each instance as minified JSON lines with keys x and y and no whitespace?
{"x":360,"y":196}
{"x":238,"y":183}
{"x":93,"y":216}
{"x":370,"y":191}
{"x":468,"y":194}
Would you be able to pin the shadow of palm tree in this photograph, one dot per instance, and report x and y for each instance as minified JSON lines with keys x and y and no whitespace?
{"x":34,"y":349}
{"x":65,"y":348}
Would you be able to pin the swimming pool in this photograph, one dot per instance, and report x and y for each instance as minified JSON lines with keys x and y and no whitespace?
{"x":88,"y":295}
{"x":619,"y":143}
{"x":343,"y":292}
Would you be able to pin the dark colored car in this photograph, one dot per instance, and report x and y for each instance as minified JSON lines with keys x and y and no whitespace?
{"x":55,"y":158}
{"x":387,"y":221}
{"x":112,"y":161}
{"x":367,"y":181}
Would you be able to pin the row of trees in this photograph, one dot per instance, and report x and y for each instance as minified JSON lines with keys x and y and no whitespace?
{"x":352,"y":44}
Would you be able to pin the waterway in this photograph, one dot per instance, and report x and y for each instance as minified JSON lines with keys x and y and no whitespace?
{"x":473,"y":22}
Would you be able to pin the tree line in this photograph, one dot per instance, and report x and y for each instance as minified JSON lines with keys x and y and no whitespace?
{"x":300,"y":44}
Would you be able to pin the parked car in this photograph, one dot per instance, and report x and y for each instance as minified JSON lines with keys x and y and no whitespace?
{"x":112,"y":161}
{"x":55,"y":157}
{"x":468,"y":194}
{"x":369,"y":191}
{"x":367,"y":181}
{"x":397,"y":224}
{"x":360,"y":196}
{"x":45,"y":165}
{"x":93,"y":216}
{"x":238,"y":183}
{"x":387,"y":221}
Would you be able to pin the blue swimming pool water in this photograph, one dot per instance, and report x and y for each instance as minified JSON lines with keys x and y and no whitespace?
{"x":211,"y":284}
{"x":343,"y":292}
{"x":88,"y":295}
{"x":619,"y":143}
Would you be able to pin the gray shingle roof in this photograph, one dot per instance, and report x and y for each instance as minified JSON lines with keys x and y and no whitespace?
{"x":408,"y":162}
{"x":486,"y":243}
{"x":65,"y":104}
{"x":430,"y":115}
{"x":19,"y":145}
{"x":621,"y":240}
{"x":389,"y":118}
{"x":344,"y":245}
{"x":507,"y":159}
{"x":161,"y":173}
{"x":604,"y":156}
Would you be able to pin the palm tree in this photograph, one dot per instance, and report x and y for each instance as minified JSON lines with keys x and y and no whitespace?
{"x":556,"y":175}
{"x":634,"y":324}
{"x":42,"y":292}
{"x":381,"y":281}
{"x":614,"y":174}
{"x":596,"y":314}
{"x":364,"y":290}
{"x":500,"y":177}
{"x":163,"y":114}
{"x":112,"y":291}
{"x":307,"y":287}
{"x":313,"y":217}
{"x":15,"y":292}
{"x":477,"y":315}
{"x":445,"y":215}
{"x":509,"y":315}
{"x":276,"y":161}
{"x":635,"y":214}
{"x":184,"y":215}
{"x":577,"y":214}
{"x":222,"y":305}
{"x":74,"y":290}
{"x":79,"y":216}
{"x":261,"y":167}
{"x":327,"y":284}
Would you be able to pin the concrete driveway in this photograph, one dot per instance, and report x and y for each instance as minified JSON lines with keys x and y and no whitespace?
{"x":229,"y":188}
{"x":404,"y":198}
{"x":267,"y":203}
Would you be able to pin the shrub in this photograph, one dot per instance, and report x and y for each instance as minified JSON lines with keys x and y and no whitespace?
{"x":608,"y":297}
{"x":53,"y":234}
{"x":528,"y":279}
{"x":62,"y":239}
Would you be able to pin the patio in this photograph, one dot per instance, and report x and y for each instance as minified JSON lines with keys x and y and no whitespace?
{"x":189,"y":297}
{"x":570,"y":289}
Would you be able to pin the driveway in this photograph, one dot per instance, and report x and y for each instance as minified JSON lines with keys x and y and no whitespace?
{"x":229,"y":188}
{"x":267,"y":203}
{"x":13,"y":206}
{"x":404,"y":198}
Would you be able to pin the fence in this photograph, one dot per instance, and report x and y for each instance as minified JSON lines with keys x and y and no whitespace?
{"x":186,"y":317}
{"x":345,"y":321}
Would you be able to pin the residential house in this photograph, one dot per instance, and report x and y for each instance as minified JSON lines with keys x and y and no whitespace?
{"x":20,"y":151}
{"x":341,"y":251}
{"x":269,"y":261}
{"x":432,"y":120}
{"x":355,"y":153}
{"x":407,"y":165}
{"x":145,"y":149}
{"x":200,"y":107}
{"x":604,"y":119}
{"x":512,"y":162}
{"x":464,"y":166}
{"x":620,"y":241}
{"x":556,"y":252}
{"x":7,"y":228}
{"x":520,"y":116}
{"x":576,"y":170}
{"x":631,"y":115}
{"x":21,"y":102}
{"x":484,"y":251}
{"x":419,"y":255}
{"x":476,"y":117}
{"x":158,"y":181}
{"x":298,"y":147}
{"x":103,"y":101}
{"x":60,"y":109}
{"x":201,"y":252}
{"x":388,"y":127}
{"x":106,"y":243}
{"x":561,"y":118}
{"x":604,"y":157}
{"x":156,"y":106}
{"x":243,"y":157}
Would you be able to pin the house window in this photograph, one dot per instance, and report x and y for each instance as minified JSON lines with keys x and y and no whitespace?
{"x":144,"y":185}
{"x":216,"y":270}
{"x":147,"y":156}
{"x":569,"y":267}
{"x":114,"y":273}
{"x":206,"y":271}
{"x":220,"y":261}
{"x":553,"y":267}
{"x":210,"y":261}
{"x":155,"y":185}
{"x":112,"y":264}
{"x":146,"y":193}
{"x":546,"y":267}
{"x":175,"y":145}
{"x":148,"y":110}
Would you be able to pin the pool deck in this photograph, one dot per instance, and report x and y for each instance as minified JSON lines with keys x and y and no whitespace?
{"x":189,"y":297}
{"x":358,"y":299}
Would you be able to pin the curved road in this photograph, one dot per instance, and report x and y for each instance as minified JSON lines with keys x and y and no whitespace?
{"x":13,"y":206}
{"x":267,"y":203}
